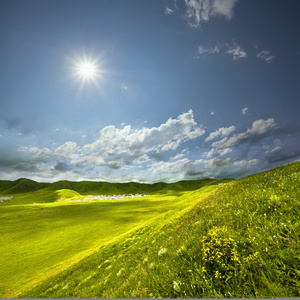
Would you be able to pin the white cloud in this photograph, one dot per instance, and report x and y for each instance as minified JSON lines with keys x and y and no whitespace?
{"x":244,"y":110}
{"x":224,"y":131}
{"x":224,"y":8}
{"x":171,"y":146}
{"x":245,"y":163}
{"x":259,"y":127}
{"x":117,"y":148}
{"x":172,"y":167}
{"x":168,"y":11}
{"x":142,"y":159}
{"x":212,"y":113}
{"x":177,"y":156}
{"x":67,"y":150}
{"x":129,"y":143}
{"x":202,"y":50}
{"x":233,"y":50}
{"x":236,"y":51}
{"x":202,"y":10}
{"x":266,"y":56}
{"x":218,"y":152}
{"x":150,"y":154}
{"x":37,"y":153}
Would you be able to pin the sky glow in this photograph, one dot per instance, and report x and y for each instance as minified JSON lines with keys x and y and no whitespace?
{"x":148,"y":91}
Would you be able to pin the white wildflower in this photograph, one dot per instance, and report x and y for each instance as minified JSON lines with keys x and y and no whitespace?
{"x":162,"y":251}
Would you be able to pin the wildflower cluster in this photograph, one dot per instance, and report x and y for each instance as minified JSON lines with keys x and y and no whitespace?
{"x":251,"y":257}
{"x":220,"y":256}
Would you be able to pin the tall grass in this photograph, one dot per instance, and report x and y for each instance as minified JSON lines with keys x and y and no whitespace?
{"x":241,"y":240}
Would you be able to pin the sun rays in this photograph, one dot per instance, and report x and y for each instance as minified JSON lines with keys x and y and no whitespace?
{"x":86,"y":70}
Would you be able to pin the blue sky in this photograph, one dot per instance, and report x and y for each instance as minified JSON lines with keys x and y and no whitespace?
{"x":179,"y":89}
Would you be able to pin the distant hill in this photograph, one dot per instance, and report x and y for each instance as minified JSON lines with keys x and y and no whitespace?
{"x":21,"y":185}
{"x":24,"y":185}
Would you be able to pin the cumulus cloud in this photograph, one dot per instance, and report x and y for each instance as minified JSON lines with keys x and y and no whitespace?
{"x":152,"y":154}
{"x":224,"y":131}
{"x":66,"y":150}
{"x":259,"y":128}
{"x":116,"y":148}
{"x":266,"y":55}
{"x":171,"y":167}
{"x":43,"y":154}
{"x":218,"y":152}
{"x":202,"y":10}
{"x":129,"y":144}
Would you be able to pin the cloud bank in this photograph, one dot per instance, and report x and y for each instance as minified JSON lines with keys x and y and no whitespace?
{"x":178,"y":149}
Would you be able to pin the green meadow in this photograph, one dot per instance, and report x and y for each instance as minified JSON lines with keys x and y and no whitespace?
{"x":189,"y":239}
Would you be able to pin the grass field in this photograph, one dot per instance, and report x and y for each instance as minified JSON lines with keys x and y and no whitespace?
{"x":240,"y":239}
{"x":40,"y":237}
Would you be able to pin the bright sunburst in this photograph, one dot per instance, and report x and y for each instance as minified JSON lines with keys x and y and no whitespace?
{"x":86,"y":70}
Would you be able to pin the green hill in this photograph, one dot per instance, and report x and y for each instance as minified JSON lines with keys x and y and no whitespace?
{"x":23,"y":185}
{"x":66,"y":194}
{"x":239,"y":241}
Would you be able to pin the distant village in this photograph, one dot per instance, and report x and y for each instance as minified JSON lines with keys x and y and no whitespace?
{"x":5,"y":198}
{"x":94,"y":197}
{"x":114,"y":197}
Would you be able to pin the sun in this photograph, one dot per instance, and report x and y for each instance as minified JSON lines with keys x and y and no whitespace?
{"x":86,"y":70}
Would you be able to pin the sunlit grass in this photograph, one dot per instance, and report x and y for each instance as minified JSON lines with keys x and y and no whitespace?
{"x":236,"y":240}
{"x":40,"y":239}
{"x":241,"y":240}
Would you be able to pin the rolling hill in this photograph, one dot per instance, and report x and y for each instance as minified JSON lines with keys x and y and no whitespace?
{"x":23,"y":185}
{"x":236,"y":240}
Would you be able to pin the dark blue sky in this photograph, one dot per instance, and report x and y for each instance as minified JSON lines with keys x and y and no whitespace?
{"x":181,"y":89}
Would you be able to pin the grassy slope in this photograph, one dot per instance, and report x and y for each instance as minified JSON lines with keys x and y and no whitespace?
{"x":40,"y":237}
{"x":259,"y":213}
{"x":66,"y":194}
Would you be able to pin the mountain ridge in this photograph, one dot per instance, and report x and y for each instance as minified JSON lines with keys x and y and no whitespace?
{"x":24,"y":185}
